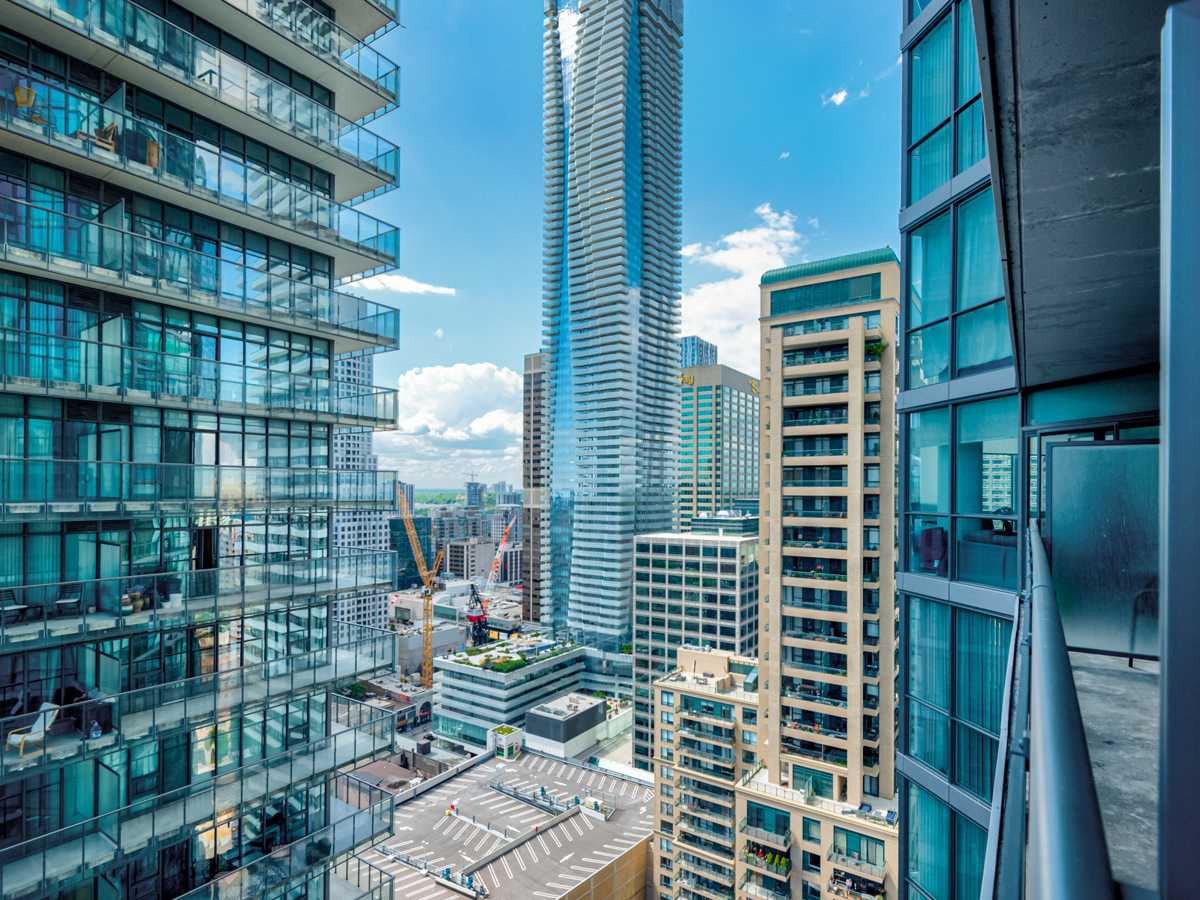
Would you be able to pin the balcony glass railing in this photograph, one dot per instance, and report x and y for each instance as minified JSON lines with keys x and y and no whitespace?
{"x":716,"y":754}
{"x":719,"y":735}
{"x":805,"y":634}
{"x":702,"y":809}
{"x":155,"y":43}
{"x":750,"y":887}
{"x":67,"y":121}
{"x":52,"y":488}
{"x":67,"y":367}
{"x":101,"y":724}
{"x":840,"y":857}
{"x":754,"y":855}
{"x":693,"y":863}
{"x":836,"y":730}
{"x":319,"y":35}
{"x":855,"y":889}
{"x":810,"y":750}
{"x":153,"y":602}
{"x":781,"y":840}
{"x":814,"y":697}
{"x":189,"y":814}
{"x":65,"y":245}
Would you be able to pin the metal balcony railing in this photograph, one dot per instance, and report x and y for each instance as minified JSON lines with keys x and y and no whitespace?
{"x":68,"y":246}
{"x":140,"y":35}
{"x":104,"y":723}
{"x":84,"y":848}
{"x":77,"y":369}
{"x":321,"y":36}
{"x":47,"y":489}
{"x":67,"y":121}
{"x":44,"y":612}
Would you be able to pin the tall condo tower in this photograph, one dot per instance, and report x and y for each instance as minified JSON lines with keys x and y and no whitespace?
{"x":613,"y":71}
{"x":177,"y":185}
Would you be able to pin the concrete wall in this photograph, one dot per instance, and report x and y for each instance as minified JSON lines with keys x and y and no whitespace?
{"x":625,"y":878}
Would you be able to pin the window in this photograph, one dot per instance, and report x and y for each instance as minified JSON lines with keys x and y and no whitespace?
{"x":667,"y":698}
{"x":929,"y":302}
{"x":928,"y":823}
{"x":858,"y":846}
{"x":812,"y":831}
{"x":932,"y":88}
{"x":972,"y":143}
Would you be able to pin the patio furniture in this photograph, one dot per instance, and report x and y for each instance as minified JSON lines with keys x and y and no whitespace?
{"x":36,"y":733}
{"x":26,"y":102}
{"x":10,"y":610}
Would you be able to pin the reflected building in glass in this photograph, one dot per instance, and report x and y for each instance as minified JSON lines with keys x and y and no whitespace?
{"x":611,"y":283}
{"x":175,"y":219}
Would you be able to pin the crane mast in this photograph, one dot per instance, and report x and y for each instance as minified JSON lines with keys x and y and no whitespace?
{"x":429,"y":580}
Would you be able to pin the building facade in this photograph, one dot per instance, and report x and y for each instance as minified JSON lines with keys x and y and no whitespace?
{"x":690,"y":590}
{"x":470,"y":558}
{"x":694,"y":351}
{"x":408,"y":574}
{"x":477,"y":692}
{"x":610,"y":306}
{"x":532,"y":471}
{"x":718,"y":440}
{"x":176,"y":220}
{"x":475,"y":493}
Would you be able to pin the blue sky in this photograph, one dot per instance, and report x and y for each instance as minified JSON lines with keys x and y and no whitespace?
{"x":791,"y":152}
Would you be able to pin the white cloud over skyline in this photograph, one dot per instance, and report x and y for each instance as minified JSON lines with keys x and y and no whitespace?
{"x":399,"y":284}
{"x":726,"y":311}
{"x":453,"y":420}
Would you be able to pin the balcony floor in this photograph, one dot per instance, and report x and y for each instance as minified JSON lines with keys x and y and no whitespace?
{"x":1119,"y":705}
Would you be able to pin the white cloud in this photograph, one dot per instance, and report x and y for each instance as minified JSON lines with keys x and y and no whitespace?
{"x":814,"y":222}
{"x":453,"y":420}
{"x":785,"y":154}
{"x":837,"y":98}
{"x":440,"y":333}
{"x":726,"y":311}
{"x":400,"y":284}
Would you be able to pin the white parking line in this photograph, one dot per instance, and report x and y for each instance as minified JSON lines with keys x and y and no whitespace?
{"x":504,"y":862}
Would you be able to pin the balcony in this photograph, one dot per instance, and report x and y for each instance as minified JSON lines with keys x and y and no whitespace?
{"x":778,"y":841}
{"x":882,"y":818}
{"x":53,"y":366}
{"x":821,"y":604}
{"x":691,"y":712}
{"x":812,"y":574}
{"x":49,"y":612}
{"x":53,"y":489}
{"x":34,"y":239}
{"x":189,"y":814}
{"x":812,"y":633}
{"x":702,"y":867}
{"x":723,"y":757}
{"x":811,"y":513}
{"x":146,"y":157}
{"x":721,"y":736}
{"x":815,"y":357}
{"x":841,"y":885}
{"x":814,"y":697}
{"x":198,"y":76}
{"x":816,"y":544}
{"x":750,"y":856}
{"x":357,"y":730}
{"x":751,"y":888}
{"x":814,"y":751}
{"x":840,"y":858}
{"x":828,"y":732}
{"x":350,"y":64}
{"x":695,"y":809}
{"x":798,"y":661}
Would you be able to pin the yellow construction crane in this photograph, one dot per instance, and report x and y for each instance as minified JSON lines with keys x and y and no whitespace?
{"x":429,"y":579}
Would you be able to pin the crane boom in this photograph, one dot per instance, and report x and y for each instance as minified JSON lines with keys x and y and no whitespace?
{"x":496,"y":562}
{"x":429,"y":579}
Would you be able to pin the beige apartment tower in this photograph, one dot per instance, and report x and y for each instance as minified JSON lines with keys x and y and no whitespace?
{"x":814,"y":812}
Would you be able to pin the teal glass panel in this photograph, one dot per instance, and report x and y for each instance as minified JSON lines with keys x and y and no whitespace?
{"x":932,"y":81}
{"x":987,"y":552}
{"x":979,"y":273}
{"x":929,"y":460}
{"x":929,"y":736}
{"x":970,"y":847}
{"x":929,"y":663}
{"x":968,"y":57}
{"x":974,"y":761}
{"x":929,"y":164}
{"x":820,"y":783}
{"x":985,"y":450}
{"x":1111,"y":397}
{"x":929,"y":355}
{"x":972,"y":140}
{"x":982,"y":340}
{"x":929,"y":842}
{"x":929,"y":272}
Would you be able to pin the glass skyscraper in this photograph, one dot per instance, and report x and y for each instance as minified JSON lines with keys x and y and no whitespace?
{"x":611,"y":303}
{"x":174,"y":221}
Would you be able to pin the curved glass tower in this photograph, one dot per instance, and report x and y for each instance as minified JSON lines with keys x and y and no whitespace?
{"x":613,"y":73}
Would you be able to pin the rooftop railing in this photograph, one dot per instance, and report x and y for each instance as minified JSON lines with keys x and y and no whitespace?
{"x":142,"y":36}
{"x":68,"y":121}
{"x":69,"y":367}
{"x":65,"y":245}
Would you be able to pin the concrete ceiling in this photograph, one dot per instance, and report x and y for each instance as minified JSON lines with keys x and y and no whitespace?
{"x":1071,"y":101}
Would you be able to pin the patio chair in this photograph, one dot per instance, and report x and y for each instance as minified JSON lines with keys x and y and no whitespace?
{"x":35,"y":733}
{"x":26,"y":100}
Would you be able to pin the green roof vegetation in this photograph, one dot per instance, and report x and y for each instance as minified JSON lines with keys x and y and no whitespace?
{"x":834,"y":264}
{"x":505,"y":729}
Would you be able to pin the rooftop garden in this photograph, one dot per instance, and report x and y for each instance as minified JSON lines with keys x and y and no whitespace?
{"x":508,"y":656}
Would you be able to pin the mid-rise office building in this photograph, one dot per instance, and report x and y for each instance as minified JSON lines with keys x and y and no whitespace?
{"x":453,"y":523}
{"x":532,"y":471}
{"x":1047,"y":426}
{"x":690,"y":590}
{"x":479,"y":690}
{"x":612,"y":146}
{"x":470,"y":557}
{"x":176,"y":184}
{"x":694,"y":351}
{"x":718,"y":440}
{"x":475,"y":494}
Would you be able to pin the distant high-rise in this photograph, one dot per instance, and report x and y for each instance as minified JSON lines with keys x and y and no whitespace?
{"x":475,"y":492}
{"x":694,"y":351}
{"x":532,"y":472}
{"x":718,"y":440}
{"x":613,"y":72}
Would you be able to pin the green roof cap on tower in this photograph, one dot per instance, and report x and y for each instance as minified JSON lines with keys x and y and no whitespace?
{"x":834,"y":264}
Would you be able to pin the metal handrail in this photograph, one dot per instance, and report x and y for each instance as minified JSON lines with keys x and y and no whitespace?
{"x":1067,"y":853}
